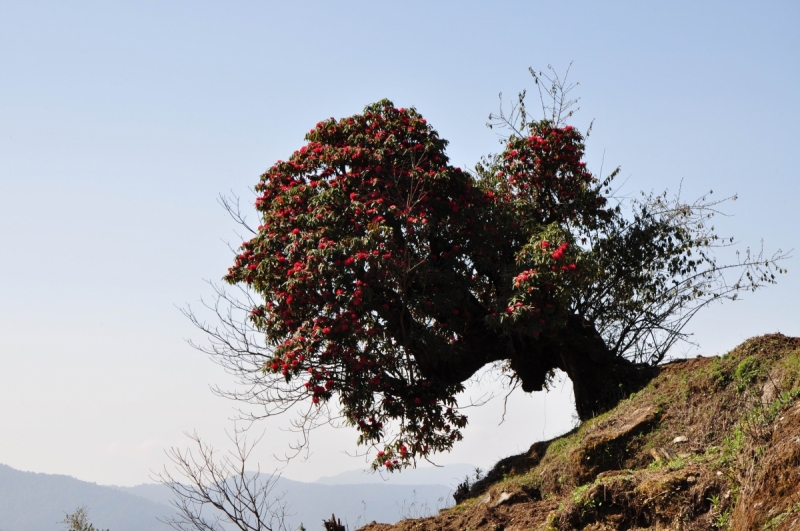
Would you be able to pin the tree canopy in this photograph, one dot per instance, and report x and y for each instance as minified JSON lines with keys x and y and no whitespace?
{"x":381,"y":278}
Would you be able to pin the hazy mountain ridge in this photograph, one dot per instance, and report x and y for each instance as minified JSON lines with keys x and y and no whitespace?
{"x":37,"y":502}
{"x":450,"y":475}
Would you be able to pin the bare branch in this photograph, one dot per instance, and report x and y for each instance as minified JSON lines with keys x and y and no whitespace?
{"x":211,"y":492}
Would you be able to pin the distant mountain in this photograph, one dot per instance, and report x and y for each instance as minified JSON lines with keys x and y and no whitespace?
{"x":450,"y":475}
{"x":354,"y":504}
{"x":37,"y":502}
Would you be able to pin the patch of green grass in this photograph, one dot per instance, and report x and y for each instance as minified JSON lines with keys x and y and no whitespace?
{"x":584,"y":503}
{"x":747,"y":372}
{"x":577,"y":494}
{"x":684,"y":390}
{"x":789,"y":367}
{"x":676,"y":463}
{"x":463,"y":506}
{"x":778,"y":405}
{"x":721,"y":372}
{"x":732,"y":446}
{"x":551,"y":524}
{"x":557,"y":446}
{"x":723,"y":521}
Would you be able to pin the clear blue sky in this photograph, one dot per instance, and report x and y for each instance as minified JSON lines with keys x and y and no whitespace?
{"x":121,"y":122}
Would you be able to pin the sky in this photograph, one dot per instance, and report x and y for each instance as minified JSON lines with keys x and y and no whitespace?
{"x":122,"y":122}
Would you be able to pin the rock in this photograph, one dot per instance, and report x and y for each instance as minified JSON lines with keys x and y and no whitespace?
{"x":661,"y":453}
{"x":504,"y":497}
{"x":680,"y":439}
{"x":770,"y":390}
{"x":604,"y":448}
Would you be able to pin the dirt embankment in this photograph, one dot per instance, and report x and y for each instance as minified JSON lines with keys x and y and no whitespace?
{"x":710,"y":443}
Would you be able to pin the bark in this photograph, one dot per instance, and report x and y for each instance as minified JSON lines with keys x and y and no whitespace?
{"x":600,"y":378}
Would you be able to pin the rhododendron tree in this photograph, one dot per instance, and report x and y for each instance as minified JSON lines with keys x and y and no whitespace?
{"x":382,"y":278}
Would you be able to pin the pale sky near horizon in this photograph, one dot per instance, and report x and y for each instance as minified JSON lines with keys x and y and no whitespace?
{"x":121,"y":122}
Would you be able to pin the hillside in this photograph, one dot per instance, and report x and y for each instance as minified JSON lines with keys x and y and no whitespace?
{"x":710,"y":443}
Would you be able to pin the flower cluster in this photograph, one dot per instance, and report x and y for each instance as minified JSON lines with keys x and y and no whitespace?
{"x":547,"y":178}
{"x":353,"y":224}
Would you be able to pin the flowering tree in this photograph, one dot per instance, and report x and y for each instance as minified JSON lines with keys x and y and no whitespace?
{"x":381,"y":279}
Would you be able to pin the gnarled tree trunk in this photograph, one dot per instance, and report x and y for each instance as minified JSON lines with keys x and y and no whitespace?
{"x":600,"y":379}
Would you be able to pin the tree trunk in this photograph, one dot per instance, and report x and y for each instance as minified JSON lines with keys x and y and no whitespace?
{"x":600,"y":379}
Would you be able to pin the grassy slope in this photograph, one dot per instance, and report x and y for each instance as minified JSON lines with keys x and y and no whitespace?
{"x":710,"y":443}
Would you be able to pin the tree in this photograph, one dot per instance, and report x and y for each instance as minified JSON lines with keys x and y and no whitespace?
{"x":383,"y":278}
{"x":79,"y":520}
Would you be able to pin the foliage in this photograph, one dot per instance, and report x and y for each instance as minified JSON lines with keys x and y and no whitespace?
{"x":385,"y":277}
{"x":79,"y":521}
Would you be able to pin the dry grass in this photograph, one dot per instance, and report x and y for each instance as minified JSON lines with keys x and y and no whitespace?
{"x":738,"y":467}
